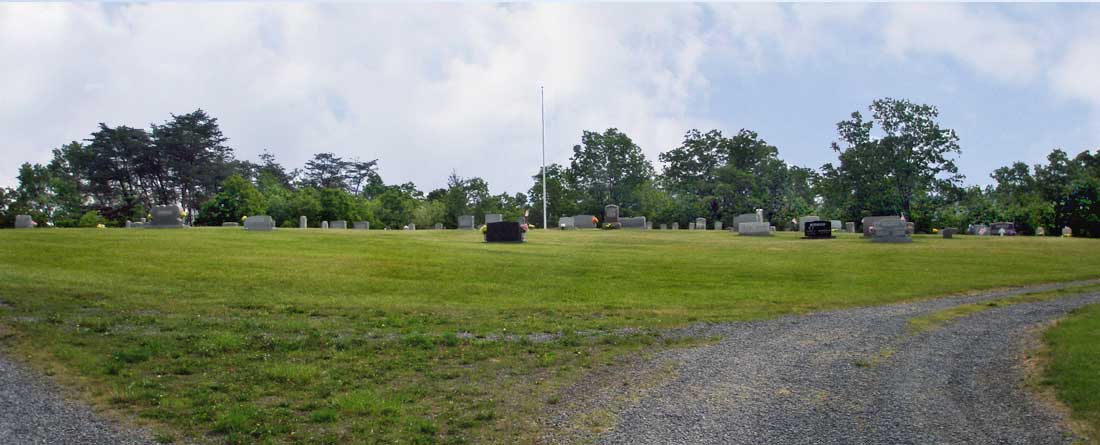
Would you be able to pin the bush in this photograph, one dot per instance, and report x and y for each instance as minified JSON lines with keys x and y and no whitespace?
{"x":91,"y":219}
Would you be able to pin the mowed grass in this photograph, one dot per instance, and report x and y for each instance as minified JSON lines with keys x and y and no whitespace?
{"x":420,"y":337}
{"x":1074,"y":366}
{"x":938,"y":319}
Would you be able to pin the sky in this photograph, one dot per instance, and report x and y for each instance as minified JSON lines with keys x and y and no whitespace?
{"x":428,"y":89}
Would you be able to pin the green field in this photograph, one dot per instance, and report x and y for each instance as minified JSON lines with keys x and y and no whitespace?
{"x":418,"y":337}
{"x":1074,"y":366}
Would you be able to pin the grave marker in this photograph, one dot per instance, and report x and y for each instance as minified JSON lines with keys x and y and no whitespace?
{"x":584,"y":222}
{"x":817,"y":230}
{"x":493,"y":217}
{"x":303,"y":222}
{"x":754,"y":229}
{"x":166,"y":217}
{"x":466,"y":222}
{"x":360,"y":225}
{"x":891,"y":230}
{"x":504,"y":232}
{"x":24,"y":222}
{"x":700,"y":224}
{"x":611,"y":215}
{"x":260,"y":223}
{"x":637,"y":222}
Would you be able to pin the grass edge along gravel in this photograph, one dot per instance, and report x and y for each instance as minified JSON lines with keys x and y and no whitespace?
{"x":1070,"y":356}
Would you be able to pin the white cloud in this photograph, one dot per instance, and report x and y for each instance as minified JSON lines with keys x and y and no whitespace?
{"x":432,"y":87}
{"x":425,"y":88}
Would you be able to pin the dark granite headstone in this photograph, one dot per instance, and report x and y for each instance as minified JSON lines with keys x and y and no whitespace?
{"x":165,"y":217}
{"x":611,"y":216}
{"x":504,"y":232}
{"x":24,"y":222}
{"x":1003,"y":229}
{"x":949,"y":232}
{"x":817,"y":230}
{"x":611,"y":213}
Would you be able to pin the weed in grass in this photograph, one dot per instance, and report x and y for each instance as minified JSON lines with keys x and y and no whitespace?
{"x":294,"y":373}
{"x":326,"y":415}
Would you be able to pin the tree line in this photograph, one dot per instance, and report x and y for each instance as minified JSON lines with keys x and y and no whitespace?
{"x":898,"y":160}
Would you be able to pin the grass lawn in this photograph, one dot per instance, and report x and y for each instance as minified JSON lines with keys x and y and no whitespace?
{"x":353,"y":336}
{"x":1074,"y":366}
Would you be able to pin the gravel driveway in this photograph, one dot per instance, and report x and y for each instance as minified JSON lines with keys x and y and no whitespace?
{"x":851,"y":376}
{"x":33,"y":412}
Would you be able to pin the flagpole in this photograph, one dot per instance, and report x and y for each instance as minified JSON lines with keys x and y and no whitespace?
{"x":542,"y":112}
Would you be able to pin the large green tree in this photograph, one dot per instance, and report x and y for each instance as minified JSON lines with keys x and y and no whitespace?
{"x":194,"y":152}
{"x":889,"y":161}
{"x":607,"y":168}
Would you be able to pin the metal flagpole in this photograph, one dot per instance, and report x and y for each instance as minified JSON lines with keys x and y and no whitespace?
{"x":542,"y":112}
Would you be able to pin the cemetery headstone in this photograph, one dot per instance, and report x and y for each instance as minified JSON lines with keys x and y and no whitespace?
{"x":754,"y":229}
{"x":232,"y":224}
{"x":303,"y":222}
{"x":361,"y":225}
{"x":817,"y":230}
{"x":611,"y":215}
{"x":718,"y":225}
{"x":637,"y":222}
{"x":566,"y":223}
{"x":664,"y":226}
{"x":1040,"y":232}
{"x":137,"y":225}
{"x":979,"y":230}
{"x":324,"y":224}
{"x":850,"y":227}
{"x":691,"y":226}
{"x":166,"y":217}
{"x":466,"y":222}
{"x":504,"y":232}
{"x":493,"y":217}
{"x":438,"y":226}
{"x":948,"y":232}
{"x":129,"y":224}
{"x":700,"y":224}
{"x":338,"y":224}
{"x":584,"y":222}
{"x":868,"y":224}
{"x":836,"y":225}
{"x":1067,"y":232}
{"x":675,"y":226}
{"x":259,"y":222}
{"x":759,"y":215}
{"x":143,"y":221}
{"x":746,"y":218}
{"x":805,"y":219}
{"x":24,"y":222}
{"x":1008,"y":228}
{"x":412,"y":226}
{"x":649,"y":225}
{"x":891,"y":230}
{"x":910,"y":228}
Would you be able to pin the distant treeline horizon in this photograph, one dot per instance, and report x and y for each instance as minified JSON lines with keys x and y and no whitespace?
{"x":898,"y":160}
